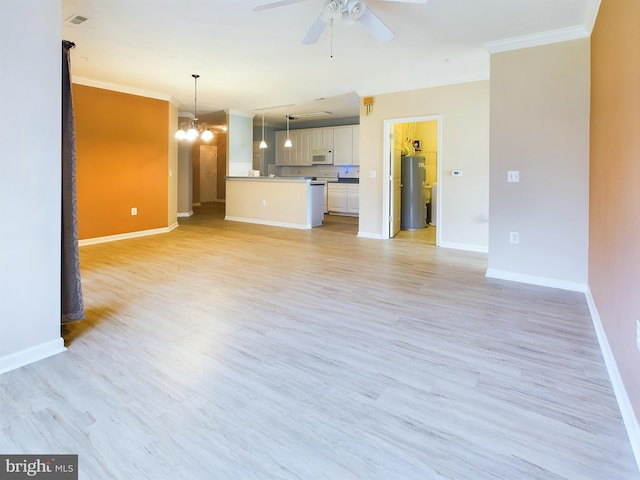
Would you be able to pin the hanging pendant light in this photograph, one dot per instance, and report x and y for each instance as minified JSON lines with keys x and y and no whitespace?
{"x":263,"y":144}
{"x":288,"y":143}
{"x":194,"y":130}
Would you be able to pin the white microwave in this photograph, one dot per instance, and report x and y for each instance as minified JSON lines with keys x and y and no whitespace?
{"x":321,"y":157}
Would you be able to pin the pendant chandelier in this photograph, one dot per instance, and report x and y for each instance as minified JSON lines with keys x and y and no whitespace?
{"x":263,"y":144}
{"x":288,"y":143}
{"x":195,"y":130}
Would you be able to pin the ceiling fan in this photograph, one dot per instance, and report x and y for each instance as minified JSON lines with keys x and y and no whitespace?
{"x":349,"y":10}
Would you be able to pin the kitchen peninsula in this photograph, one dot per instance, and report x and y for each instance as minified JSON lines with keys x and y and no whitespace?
{"x":296,"y":202}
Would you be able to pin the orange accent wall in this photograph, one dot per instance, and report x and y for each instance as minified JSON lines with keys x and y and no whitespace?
{"x":614,"y":213}
{"x":122,"y":146}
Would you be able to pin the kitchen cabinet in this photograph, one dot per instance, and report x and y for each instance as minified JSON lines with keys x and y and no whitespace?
{"x":322,"y":138}
{"x":346,"y":145}
{"x":304,"y":146}
{"x":282,"y":153}
{"x":342,"y":141}
{"x":353,"y":199}
{"x":343,"y":198}
{"x":288,"y":156}
{"x":356,"y":145}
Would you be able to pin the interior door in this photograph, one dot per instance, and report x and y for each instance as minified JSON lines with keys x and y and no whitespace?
{"x":208,"y":173}
{"x":395,"y":186}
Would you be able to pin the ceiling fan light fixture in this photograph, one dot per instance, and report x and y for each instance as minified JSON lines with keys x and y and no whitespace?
{"x":332,"y":7}
{"x":355,"y":8}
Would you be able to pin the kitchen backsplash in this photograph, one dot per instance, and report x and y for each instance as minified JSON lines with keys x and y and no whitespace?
{"x":347,"y":171}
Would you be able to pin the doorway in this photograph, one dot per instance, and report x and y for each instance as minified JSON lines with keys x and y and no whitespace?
{"x":208,"y":173}
{"x":419,"y":136}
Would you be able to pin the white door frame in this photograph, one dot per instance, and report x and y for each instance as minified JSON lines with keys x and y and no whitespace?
{"x":386,"y":186}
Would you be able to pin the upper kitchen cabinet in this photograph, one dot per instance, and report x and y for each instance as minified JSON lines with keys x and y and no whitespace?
{"x":287,"y":155}
{"x":345,"y":145}
{"x":356,"y":144}
{"x":300,"y":151}
{"x":304,"y":146}
{"x":322,"y":138}
{"x":282,"y":153}
{"x":342,"y":141}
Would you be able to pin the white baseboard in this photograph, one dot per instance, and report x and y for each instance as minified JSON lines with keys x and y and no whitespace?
{"x":32,"y":354}
{"x":465,"y":246}
{"x":299,"y":226}
{"x":626,"y":409}
{"x":376,"y":236}
{"x":185,"y":214}
{"x":124,"y":236}
{"x":535,"y":280}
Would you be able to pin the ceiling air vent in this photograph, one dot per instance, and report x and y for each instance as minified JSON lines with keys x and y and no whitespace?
{"x":76,"y":19}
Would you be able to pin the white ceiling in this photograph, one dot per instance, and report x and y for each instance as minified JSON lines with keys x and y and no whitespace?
{"x":250,"y":61}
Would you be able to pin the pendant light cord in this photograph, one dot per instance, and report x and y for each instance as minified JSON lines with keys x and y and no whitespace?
{"x":195,"y":96}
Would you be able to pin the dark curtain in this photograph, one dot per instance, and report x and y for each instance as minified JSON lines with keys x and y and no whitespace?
{"x":72,"y":304}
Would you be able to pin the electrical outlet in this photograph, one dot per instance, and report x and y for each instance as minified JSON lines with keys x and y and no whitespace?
{"x":513,"y":176}
{"x":134,"y":211}
{"x":638,"y":334}
{"x":514,"y":237}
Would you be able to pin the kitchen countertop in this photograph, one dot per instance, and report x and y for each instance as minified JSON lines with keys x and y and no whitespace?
{"x":271,"y":179}
{"x":313,"y":180}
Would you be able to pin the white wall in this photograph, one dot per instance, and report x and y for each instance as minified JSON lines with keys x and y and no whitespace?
{"x":239,"y":143}
{"x":30,"y":181}
{"x":185,"y":179}
{"x":464,"y":110}
{"x":540,"y":127}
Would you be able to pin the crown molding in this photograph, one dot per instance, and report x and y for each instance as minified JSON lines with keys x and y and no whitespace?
{"x":239,"y":113}
{"x":538,"y":39}
{"x":591,"y":14}
{"x":125,"y":89}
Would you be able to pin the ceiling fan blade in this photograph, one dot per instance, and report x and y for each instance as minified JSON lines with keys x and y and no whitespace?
{"x":317,"y":27}
{"x":376,"y":27}
{"x":274,"y":4}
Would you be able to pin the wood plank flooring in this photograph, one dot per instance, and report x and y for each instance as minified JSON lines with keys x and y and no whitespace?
{"x":225,"y":350}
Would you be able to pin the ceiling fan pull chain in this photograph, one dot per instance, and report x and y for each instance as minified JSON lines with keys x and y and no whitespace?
{"x":331,"y":42}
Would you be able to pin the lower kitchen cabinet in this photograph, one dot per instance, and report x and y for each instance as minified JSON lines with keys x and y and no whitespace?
{"x":353,"y":199}
{"x":343,"y":198}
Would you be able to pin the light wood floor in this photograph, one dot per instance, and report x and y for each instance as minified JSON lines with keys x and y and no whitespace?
{"x":225,"y":350}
